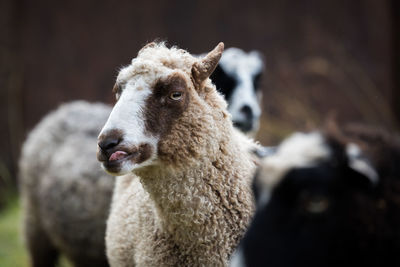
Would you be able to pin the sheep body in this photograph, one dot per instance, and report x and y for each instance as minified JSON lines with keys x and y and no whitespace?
{"x":65,"y":194}
{"x":334,"y":204}
{"x":142,"y":233}
{"x":190,"y":201}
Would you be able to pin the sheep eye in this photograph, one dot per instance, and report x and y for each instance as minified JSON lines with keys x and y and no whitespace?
{"x":176,"y":95}
{"x":317,"y":204}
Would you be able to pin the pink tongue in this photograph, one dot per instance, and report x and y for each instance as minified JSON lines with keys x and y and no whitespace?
{"x":117,"y":155}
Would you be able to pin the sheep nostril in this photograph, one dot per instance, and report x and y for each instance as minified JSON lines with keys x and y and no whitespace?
{"x":108,"y":143}
{"x":247,"y":112}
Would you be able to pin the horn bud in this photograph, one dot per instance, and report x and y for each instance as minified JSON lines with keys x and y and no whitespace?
{"x":203,"y":68}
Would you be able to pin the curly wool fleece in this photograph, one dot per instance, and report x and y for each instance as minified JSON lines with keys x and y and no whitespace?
{"x":192,"y":206}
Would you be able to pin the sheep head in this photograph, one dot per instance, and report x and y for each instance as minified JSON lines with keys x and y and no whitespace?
{"x":164,"y":98}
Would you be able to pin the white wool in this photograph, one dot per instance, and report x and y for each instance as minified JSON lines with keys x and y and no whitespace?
{"x":65,"y":195}
{"x":299,"y":150}
{"x":192,"y":206}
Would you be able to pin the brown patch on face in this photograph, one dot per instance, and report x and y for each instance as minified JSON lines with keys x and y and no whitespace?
{"x":144,"y":153}
{"x":161,"y":109}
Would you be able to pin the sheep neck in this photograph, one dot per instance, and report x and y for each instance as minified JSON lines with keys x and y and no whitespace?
{"x":189,"y":199}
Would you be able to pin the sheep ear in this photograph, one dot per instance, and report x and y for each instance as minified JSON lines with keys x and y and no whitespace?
{"x":203,"y":68}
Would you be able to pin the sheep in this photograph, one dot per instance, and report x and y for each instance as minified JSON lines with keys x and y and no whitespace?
{"x":327,"y":198}
{"x":183,"y":187}
{"x":237,"y":76}
{"x":65,"y":194}
{"x":70,"y":149}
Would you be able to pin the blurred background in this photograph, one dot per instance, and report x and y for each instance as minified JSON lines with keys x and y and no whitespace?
{"x":322,"y":57}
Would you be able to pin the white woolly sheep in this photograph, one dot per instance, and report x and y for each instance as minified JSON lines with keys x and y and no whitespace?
{"x":236,"y":66}
{"x":327,"y":199}
{"x":185,"y":198}
{"x":65,"y":194}
{"x":237,"y":76}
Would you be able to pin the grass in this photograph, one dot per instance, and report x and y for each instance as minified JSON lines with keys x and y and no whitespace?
{"x":12,"y":250}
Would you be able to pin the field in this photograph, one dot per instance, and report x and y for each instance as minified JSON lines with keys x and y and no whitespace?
{"x":12,"y":251}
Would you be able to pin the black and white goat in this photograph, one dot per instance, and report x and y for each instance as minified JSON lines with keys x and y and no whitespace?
{"x":237,"y":77}
{"x":326,"y":201}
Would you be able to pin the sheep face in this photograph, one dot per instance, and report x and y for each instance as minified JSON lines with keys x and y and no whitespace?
{"x":153,"y":94}
{"x":237,"y":77}
{"x":310,"y":206}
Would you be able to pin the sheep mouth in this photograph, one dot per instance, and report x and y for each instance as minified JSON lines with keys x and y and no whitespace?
{"x":244,"y":126}
{"x":114,"y":160}
{"x":119,"y":156}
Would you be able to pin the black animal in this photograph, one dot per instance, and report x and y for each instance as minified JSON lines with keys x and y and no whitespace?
{"x":327,"y":200}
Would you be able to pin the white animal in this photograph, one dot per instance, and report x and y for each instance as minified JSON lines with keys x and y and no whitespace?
{"x":185,"y":197}
{"x":238,"y":77}
{"x":58,"y":157}
{"x":65,"y":194}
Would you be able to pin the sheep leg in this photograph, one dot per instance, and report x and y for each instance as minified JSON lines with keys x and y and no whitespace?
{"x":79,"y":262}
{"x":41,"y":251}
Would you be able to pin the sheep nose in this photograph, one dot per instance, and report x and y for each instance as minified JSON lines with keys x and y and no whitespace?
{"x":108,"y":143}
{"x":247,"y":112}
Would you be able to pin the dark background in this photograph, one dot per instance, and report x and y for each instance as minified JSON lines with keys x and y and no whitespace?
{"x":335,"y":56}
